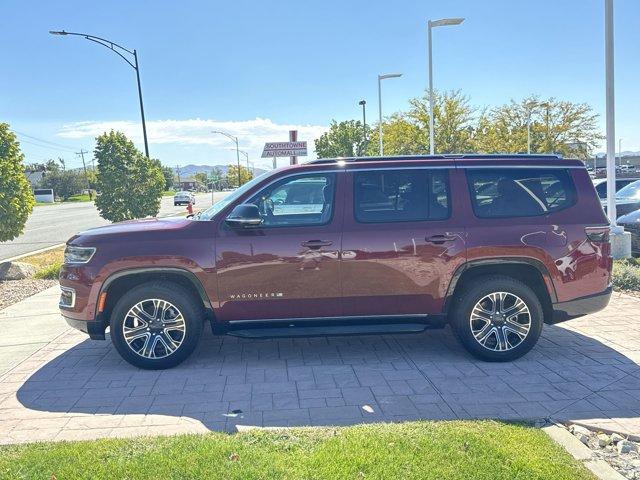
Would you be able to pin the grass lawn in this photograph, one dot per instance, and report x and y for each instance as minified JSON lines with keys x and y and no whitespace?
{"x":80,"y":198}
{"x":47,"y":263}
{"x":424,"y":450}
{"x":168,"y":193}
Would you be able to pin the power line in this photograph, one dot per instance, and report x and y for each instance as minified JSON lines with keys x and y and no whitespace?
{"x":44,"y":141}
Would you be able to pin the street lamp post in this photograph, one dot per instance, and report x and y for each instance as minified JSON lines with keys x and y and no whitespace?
{"x":363,"y":103}
{"x":380,"y":78}
{"x":119,"y":50}
{"x":235,"y":139}
{"x":432,"y":24}
{"x":610,"y":113}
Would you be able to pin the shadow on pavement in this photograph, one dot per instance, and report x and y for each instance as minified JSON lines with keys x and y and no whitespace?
{"x":344,"y":380}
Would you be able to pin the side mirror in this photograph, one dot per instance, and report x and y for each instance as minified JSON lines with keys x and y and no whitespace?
{"x":244,"y":215}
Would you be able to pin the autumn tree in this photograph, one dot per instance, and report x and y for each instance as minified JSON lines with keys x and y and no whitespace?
{"x":16,"y":198}
{"x":232,"y":175}
{"x":130,"y":184}
{"x":344,"y":139}
{"x":556,"y":126}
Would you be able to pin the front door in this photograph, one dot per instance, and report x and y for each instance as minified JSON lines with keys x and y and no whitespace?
{"x":289,"y":266}
{"x":401,"y":241}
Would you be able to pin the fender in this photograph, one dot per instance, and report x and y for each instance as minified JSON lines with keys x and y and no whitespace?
{"x":537,"y":264}
{"x":173,"y":270}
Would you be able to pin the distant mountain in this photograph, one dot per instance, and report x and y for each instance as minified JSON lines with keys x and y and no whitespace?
{"x":190,"y":170}
{"x":625,"y":153}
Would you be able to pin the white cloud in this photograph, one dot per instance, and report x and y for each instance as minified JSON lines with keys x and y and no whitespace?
{"x":252,"y":134}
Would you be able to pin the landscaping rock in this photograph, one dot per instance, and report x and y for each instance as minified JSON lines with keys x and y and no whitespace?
{"x":603,"y":440}
{"x":625,"y":446}
{"x":616,"y":437}
{"x":582,"y":437}
{"x":16,"y":271}
{"x":578,"y":429}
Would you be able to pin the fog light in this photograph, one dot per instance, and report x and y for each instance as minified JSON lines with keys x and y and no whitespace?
{"x":67,"y":297}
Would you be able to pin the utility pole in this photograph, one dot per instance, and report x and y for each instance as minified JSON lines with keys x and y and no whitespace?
{"x":86,"y":176}
{"x":178,"y":172}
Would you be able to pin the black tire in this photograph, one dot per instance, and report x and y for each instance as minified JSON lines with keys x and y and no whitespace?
{"x":182,"y":300}
{"x":465,"y":303}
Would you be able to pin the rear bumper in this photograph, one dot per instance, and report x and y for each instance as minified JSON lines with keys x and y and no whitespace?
{"x":578,"y":307}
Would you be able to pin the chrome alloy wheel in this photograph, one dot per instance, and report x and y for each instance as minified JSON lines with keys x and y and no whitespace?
{"x":500,"y":321}
{"x":154,"y":328}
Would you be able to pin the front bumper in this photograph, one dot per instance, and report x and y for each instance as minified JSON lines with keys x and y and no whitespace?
{"x":95,"y":329}
{"x":579,"y":307}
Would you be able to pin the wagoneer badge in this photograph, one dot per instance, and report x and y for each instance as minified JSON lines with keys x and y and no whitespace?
{"x":256,"y":296}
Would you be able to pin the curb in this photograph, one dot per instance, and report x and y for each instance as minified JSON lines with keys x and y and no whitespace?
{"x":582,"y":453}
{"x":35,"y":252}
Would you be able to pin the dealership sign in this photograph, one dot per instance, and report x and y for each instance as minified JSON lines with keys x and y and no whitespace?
{"x":284,"y":149}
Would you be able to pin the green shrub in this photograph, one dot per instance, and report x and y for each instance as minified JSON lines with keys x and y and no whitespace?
{"x":51,"y":272}
{"x":626,"y":274}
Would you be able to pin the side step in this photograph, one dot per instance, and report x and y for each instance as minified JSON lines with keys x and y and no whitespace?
{"x":317,"y":330}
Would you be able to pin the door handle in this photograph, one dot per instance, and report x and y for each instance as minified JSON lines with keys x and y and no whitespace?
{"x":440,"y":239}
{"x":316,"y":243}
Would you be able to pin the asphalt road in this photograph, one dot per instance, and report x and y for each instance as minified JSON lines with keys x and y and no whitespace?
{"x":50,"y":225}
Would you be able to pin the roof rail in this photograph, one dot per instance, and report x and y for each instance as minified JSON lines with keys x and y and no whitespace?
{"x":446,"y":156}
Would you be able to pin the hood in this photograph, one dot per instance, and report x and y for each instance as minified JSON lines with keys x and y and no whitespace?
{"x":170,"y":224}
{"x":630,"y":218}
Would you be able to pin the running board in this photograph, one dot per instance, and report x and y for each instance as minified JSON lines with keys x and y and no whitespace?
{"x":324,"y":330}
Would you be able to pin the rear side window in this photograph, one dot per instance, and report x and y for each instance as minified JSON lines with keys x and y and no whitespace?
{"x":519,"y":192}
{"x":401,"y":195}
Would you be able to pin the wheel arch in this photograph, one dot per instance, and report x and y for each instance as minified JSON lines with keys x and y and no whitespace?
{"x":530,"y":271}
{"x":123,"y":280}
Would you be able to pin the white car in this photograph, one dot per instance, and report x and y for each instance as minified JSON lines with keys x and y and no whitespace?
{"x":183,"y":198}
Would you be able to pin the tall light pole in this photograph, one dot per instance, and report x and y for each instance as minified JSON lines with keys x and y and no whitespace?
{"x":610,"y":112}
{"x":620,"y":152}
{"x":363,"y":103}
{"x":380,"y":78}
{"x":432,"y":24}
{"x":121,"y":51}
{"x":235,"y":139}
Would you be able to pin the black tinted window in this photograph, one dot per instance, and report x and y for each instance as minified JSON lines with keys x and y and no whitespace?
{"x":519,"y":192}
{"x":297,"y":201}
{"x":401,"y":195}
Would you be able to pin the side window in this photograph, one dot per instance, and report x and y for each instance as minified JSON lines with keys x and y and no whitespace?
{"x":401,"y":195}
{"x":297,"y":201}
{"x":519,"y":192}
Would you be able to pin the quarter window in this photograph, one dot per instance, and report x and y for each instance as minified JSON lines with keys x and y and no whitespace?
{"x":519,"y":192}
{"x":401,"y":195}
{"x":301,"y":200}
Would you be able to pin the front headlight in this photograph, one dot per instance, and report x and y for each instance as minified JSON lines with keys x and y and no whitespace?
{"x":78,"y":254}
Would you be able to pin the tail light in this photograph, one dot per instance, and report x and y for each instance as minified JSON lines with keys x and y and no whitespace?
{"x":597,"y":234}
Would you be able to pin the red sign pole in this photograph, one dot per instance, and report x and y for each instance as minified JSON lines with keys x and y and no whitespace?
{"x":293,"y":137}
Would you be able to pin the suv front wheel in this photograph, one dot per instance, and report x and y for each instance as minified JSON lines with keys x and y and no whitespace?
{"x":156,"y":325}
{"x":498,"y":318}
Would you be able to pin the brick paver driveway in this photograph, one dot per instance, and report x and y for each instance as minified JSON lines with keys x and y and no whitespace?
{"x":586,"y":369}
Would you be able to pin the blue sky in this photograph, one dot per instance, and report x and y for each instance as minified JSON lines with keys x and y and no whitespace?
{"x":258,"y":68}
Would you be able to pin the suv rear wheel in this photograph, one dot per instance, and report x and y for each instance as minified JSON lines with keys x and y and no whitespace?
{"x":498,"y":318}
{"x":156,"y":325}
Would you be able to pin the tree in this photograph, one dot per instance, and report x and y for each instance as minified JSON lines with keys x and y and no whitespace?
{"x":407,"y":133}
{"x":130,"y":184}
{"x":65,"y":183}
{"x":16,"y":198}
{"x":169,"y":177}
{"x":232,"y":175}
{"x":201,"y":179}
{"x":344,"y":139}
{"x":563,"y":127}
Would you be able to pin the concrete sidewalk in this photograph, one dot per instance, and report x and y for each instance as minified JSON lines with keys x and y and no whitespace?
{"x":59,"y":385}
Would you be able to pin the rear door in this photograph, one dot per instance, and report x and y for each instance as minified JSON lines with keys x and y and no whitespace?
{"x":402,"y":240}
{"x":289,"y":267}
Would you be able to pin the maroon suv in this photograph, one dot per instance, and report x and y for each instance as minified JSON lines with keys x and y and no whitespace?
{"x":492,"y":245}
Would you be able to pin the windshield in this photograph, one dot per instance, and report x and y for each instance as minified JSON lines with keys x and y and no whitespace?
{"x":630,"y":192}
{"x":209,"y":213}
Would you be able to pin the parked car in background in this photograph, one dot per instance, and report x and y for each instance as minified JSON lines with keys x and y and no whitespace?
{"x":601,"y":185}
{"x":631,"y":223}
{"x":627,"y":199}
{"x":183,"y":198}
{"x":492,"y":245}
